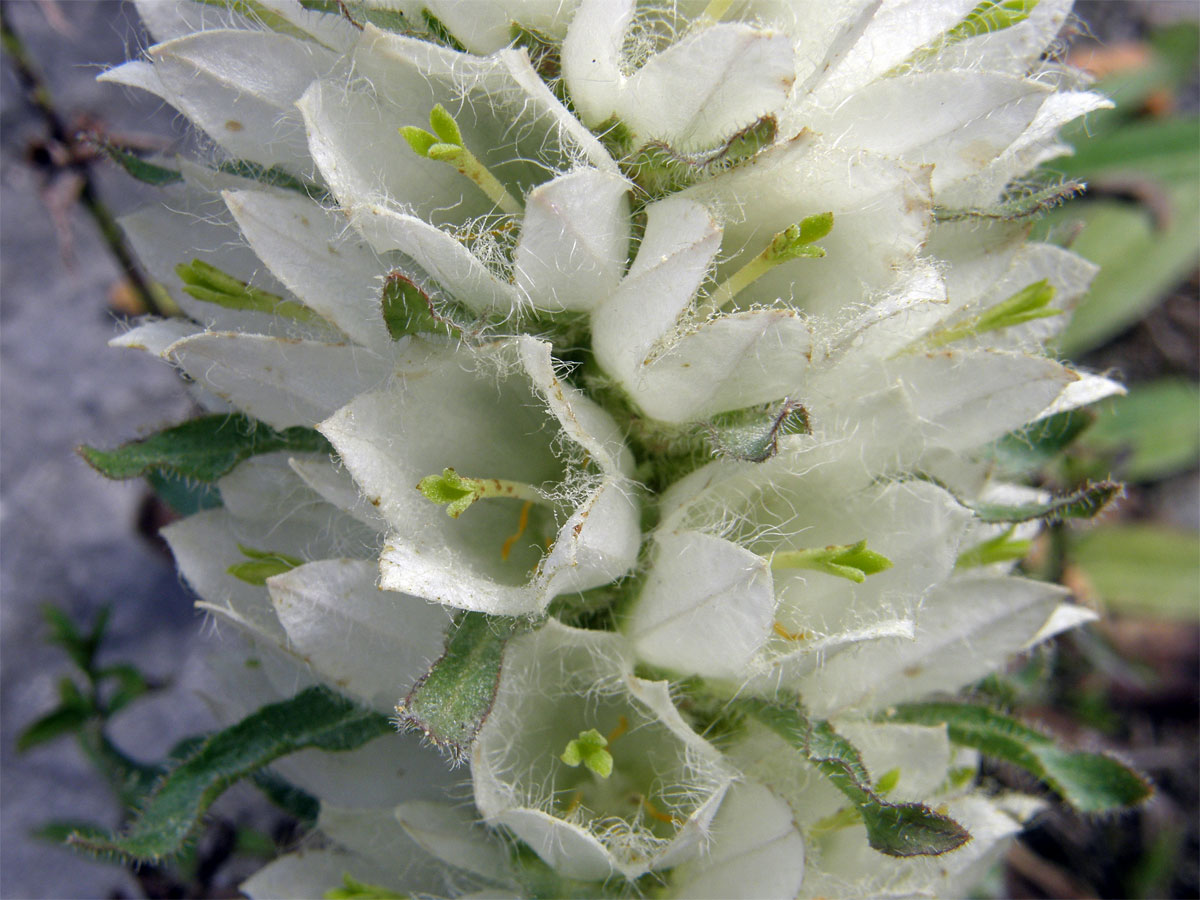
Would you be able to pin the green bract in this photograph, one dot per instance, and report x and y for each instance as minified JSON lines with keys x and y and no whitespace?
{"x":617,"y":390}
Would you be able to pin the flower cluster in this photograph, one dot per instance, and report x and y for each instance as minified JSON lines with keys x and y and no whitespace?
{"x":657,"y":350}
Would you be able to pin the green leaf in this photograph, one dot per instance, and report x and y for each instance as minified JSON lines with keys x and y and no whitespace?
{"x":1029,"y":303}
{"x":353,"y":889}
{"x":440,"y":33}
{"x":79,"y":647}
{"x":1151,"y":432}
{"x":146,"y":172}
{"x":208,"y":283}
{"x":314,"y":718}
{"x":203,"y":449}
{"x":1084,"y":503}
{"x":55,"y":724}
{"x":182,"y":495}
{"x":451,"y":701}
{"x":407,"y":309}
{"x":58,"y":831}
{"x":990,"y":16}
{"x":1001,"y":548}
{"x":272,"y":176}
{"x":1091,"y":782}
{"x":987,"y":17}
{"x":897,"y":829}
{"x":296,"y":802}
{"x":131,"y":684}
{"x":1031,"y":448}
{"x":1139,"y":226}
{"x":1016,"y":206}
{"x":1141,"y":569}
{"x":262,"y":564}
{"x":752,"y":435}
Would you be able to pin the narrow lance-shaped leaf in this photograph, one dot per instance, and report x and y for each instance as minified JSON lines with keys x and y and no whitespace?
{"x":1016,"y":207}
{"x":1084,"y":503}
{"x":315,"y":717}
{"x":353,"y":889}
{"x":296,"y":802}
{"x":1033,"y":446}
{"x":62,"y":720}
{"x":208,"y":283}
{"x":451,"y":701}
{"x":261,"y":565}
{"x":144,"y":171}
{"x":203,"y":449}
{"x":1091,"y":782}
{"x":272,"y":176}
{"x":897,"y":829}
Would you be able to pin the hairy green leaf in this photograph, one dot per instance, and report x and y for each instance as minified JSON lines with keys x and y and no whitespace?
{"x":1084,"y":503}
{"x":407,"y":309}
{"x":296,"y":802}
{"x":203,"y":449}
{"x":1091,"y":782}
{"x":61,"y":721}
{"x":1151,"y":432}
{"x":316,"y":717}
{"x":77,"y":645}
{"x":1140,"y":569}
{"x":451,"y":701}
{"x":146,"y":172}
{"x":897,"y":829}
{"x":1017,"y":206}
{"x":184,"y":496}
{"x":1034,"y":446}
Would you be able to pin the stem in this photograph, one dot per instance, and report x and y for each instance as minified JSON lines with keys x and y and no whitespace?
{"x":39,"y":95}
{"x":469,"y":165}
{"x":736,"y":283}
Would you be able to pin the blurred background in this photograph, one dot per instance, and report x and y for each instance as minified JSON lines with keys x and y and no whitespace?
{"x":75,"y":687}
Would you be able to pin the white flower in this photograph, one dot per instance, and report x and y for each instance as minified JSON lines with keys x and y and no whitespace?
{"x":526,"y":290}
{"x":653,"y":805}
{"x":555,"y":511}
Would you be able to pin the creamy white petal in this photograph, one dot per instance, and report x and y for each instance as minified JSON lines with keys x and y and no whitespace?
{"x":966,"y":629}
{"x":156,"y":335}
{"x":680,"y":242}
{"x":574,"y":240}
{"x":280,"y":381}
{"x":966,"y":119}
{"x":241,"y":88}
{"x":591,"y":57}
{"x":706,"y":609}
{"x":450,"y":265}
{"x":755,"y":850}
{"x":454,"y":836}
{"x":373,"y":644}
{"x":707,"y":86}
{"x":308,"y":249}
